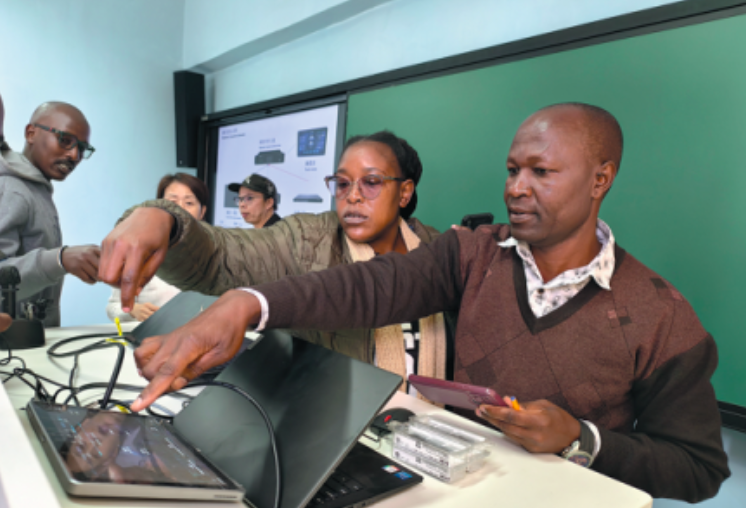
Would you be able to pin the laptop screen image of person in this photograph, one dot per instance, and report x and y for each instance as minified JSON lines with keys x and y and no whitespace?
{"x":319,"y":402}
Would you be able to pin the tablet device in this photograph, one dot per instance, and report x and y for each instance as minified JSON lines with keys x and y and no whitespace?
{"x":111,"y":454}
{"x":455,"y":394}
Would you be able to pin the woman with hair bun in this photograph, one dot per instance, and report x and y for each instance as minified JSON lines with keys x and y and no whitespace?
{"x":374,"y":187}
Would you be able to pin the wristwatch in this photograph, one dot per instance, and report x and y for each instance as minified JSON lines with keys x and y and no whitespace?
{"x":580,"y":451}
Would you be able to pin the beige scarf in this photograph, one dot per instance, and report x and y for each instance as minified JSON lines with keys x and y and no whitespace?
{"x":390,"y":339}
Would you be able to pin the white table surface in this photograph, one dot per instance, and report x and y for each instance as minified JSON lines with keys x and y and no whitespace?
{"x":511,"y":477}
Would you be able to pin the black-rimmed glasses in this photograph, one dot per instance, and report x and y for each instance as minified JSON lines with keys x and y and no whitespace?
{"x":369,"y":186}
{"x":69,"y":141}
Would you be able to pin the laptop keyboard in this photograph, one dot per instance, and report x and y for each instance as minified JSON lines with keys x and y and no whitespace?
{"x":338,"y":485}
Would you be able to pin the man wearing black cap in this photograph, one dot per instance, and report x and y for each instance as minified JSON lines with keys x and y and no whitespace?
{"x":257,"y":200}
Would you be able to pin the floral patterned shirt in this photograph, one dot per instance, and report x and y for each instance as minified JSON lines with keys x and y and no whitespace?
{"x":547,"y":297}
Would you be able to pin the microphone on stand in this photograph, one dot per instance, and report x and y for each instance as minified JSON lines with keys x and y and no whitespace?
{"x":9,"y":281}
{"x":23,"y":333}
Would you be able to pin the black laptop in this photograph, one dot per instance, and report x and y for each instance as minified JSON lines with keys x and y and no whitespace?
{"x":320,"y":402}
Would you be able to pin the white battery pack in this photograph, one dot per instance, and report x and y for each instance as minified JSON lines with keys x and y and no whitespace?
{"x":432,"y":451}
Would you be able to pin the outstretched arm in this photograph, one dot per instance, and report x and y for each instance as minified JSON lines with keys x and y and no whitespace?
{"x":394,"y":288}
{"x":159,"y":236}
{"x":389,"y":289}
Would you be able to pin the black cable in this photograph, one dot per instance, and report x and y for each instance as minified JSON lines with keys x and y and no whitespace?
{"x":114,"y":376}
{"x":52,"y":351}
{"x":19,"y":376}
{"x":10,"y":358}
{"x":76,"y":355}
{"x":102,"y":344}
{"x":18,"y":372}
{"x":39,"y":391}
{"x":267,"y":421}
{"x":71,"y":381}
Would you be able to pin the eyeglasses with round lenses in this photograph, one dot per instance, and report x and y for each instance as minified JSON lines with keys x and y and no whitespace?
{"x":369,"y":186}
{"x":69,"y":141}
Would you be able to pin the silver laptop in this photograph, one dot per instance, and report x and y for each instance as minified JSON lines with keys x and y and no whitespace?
{"x":108,"y":454}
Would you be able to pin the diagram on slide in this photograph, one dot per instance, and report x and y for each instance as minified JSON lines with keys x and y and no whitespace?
{"x":295,"y":151}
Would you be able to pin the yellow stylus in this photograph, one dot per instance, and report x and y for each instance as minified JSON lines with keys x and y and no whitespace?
{"x":119,"y":326}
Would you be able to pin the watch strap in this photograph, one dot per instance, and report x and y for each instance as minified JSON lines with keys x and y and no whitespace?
{"x":581,"y":450}
{"x":587,"y":439}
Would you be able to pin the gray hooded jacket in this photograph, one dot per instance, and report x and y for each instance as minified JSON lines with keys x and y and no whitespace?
{"x":30,"y":235}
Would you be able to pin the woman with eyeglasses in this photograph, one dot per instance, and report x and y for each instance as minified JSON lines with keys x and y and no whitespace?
{"x":375,"y":192}
{"x":190,"y":194}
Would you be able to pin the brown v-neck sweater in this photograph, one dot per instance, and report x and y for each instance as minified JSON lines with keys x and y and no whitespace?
{"x":634,"y":360}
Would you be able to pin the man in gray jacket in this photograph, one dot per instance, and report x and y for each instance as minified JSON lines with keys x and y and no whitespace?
{"x":30,"y":235}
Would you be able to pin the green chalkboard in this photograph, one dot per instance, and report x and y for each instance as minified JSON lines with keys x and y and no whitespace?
{"x":678,"y":203}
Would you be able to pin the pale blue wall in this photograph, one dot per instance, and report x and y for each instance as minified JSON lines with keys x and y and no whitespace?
{"x":115,"y":61}
{"x":215,"y":28}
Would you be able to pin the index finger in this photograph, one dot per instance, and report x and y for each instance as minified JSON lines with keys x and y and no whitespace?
{"x":138,"y":269}
{"x":111,"y":261}
{"x":170,"y":363}
{"x":160,"y":384}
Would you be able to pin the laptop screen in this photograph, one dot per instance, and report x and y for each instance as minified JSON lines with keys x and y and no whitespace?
{"x":319,"y":403}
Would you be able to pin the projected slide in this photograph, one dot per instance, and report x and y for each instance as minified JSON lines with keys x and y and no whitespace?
{"x":296,"y":151}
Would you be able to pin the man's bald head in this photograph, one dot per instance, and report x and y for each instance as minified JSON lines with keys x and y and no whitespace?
{"x":49,"y":109}
{"x":561,"y":164}
{"x":601,"y":132}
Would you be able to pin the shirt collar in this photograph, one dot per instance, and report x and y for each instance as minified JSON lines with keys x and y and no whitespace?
{"x":601,"y":268}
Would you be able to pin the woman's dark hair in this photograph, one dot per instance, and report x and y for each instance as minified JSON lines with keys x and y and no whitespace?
{"x":197,"y":186}
{"x":406,"y":156}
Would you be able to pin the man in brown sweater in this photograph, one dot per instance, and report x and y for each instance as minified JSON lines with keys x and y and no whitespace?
{"x":610,"y":362}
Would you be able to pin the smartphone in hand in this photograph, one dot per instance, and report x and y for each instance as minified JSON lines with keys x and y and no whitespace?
{"x":455,"y":394}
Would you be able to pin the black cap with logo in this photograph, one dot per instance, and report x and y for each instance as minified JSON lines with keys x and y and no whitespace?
{"x":259,"y":184}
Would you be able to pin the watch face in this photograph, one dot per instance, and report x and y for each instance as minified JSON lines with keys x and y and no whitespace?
{"x":580,"y":458}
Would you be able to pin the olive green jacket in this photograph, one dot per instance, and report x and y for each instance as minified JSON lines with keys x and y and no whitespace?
{"x":211,"y":260}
